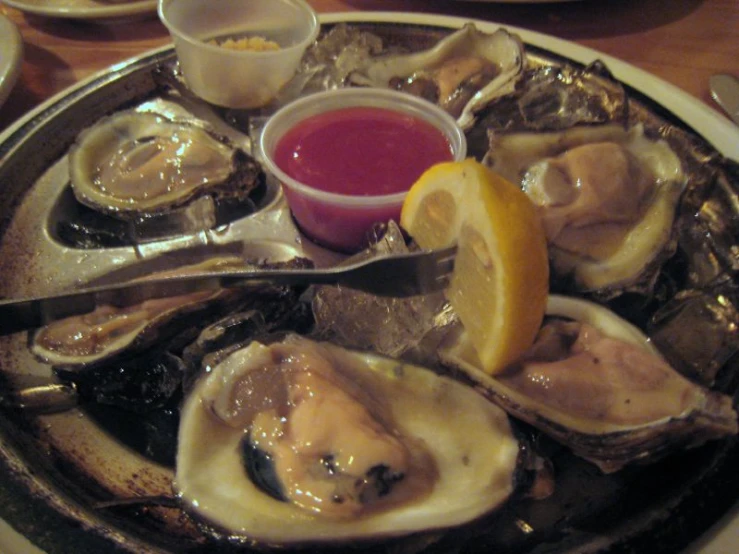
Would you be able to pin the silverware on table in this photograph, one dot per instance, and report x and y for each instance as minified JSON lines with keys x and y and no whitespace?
{"x":395,"y":275}
{"x":725,"y":91}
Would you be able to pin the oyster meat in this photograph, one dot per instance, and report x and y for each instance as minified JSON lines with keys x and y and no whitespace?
{"x":597,"y":385}
{"x":134,"y":164}
{"x":607,"y":196}
{"x":297,"y":442}
{"x":463,"y":73}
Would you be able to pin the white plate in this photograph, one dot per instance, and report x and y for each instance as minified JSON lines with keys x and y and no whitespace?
{"x":722,"y":538}
{"x":85,"y":9}
{"x":11,"y":54}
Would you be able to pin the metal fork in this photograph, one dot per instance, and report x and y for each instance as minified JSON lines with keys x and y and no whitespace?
{"x":397,"y":275}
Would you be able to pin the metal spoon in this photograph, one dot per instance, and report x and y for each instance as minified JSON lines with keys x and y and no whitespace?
{"x":725,"y":91}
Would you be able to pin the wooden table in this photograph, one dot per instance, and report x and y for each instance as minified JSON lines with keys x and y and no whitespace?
{"x":681,"y":41}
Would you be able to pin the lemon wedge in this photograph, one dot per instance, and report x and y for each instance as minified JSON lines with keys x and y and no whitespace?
{"x":501,"y":276}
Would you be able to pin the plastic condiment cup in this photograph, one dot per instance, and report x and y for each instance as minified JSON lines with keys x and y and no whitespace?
{"x":341,"y":221}
{"x":236,"y":78}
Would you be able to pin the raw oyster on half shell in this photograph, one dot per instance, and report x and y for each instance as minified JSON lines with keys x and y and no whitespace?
{"x":463,"y":73}
{"x":593,"y":382}
{"x":298,"y":442}
{"x":109,"y":331}
{"x":134,"y":164}
{"x":607,"y":196}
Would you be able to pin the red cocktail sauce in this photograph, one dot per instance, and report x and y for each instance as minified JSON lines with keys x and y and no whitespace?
{"x":361,"y":151}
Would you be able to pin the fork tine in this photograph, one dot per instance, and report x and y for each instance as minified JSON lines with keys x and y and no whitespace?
{"x":445,"y":260}
{"x":444,"y":266}
{"x":447,"y":253}
{"x":435,"y":272}
{"x":403,"y":274}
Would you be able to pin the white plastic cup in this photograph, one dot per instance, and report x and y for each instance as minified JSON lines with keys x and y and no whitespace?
{"x":238,"y":78}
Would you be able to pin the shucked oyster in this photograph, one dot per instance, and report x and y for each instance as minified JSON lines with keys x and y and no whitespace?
{"x":462,"y":73}
{"x":595,"y":384}
{"x":140,"y":163}
{"x":109,"y":331}
{"x":607,"y":197}
{"x":304,"y":442}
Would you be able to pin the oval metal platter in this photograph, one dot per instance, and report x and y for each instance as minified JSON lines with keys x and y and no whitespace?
{"x":65,"y":477}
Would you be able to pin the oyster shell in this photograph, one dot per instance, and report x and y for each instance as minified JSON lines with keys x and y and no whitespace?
{"x":94,"y":338}
{"x":462,"y":73}
{"x":133,"y":164}
{"x":555,"y":98}
{"x":603,"y":390}
{"x":356,"y":446}
{"x":607,"y":195}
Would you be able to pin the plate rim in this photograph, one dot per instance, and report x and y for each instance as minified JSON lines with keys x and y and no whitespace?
{"x":100,"y":12}
{"x":704,"y":120}
{"x":10,"y":67}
